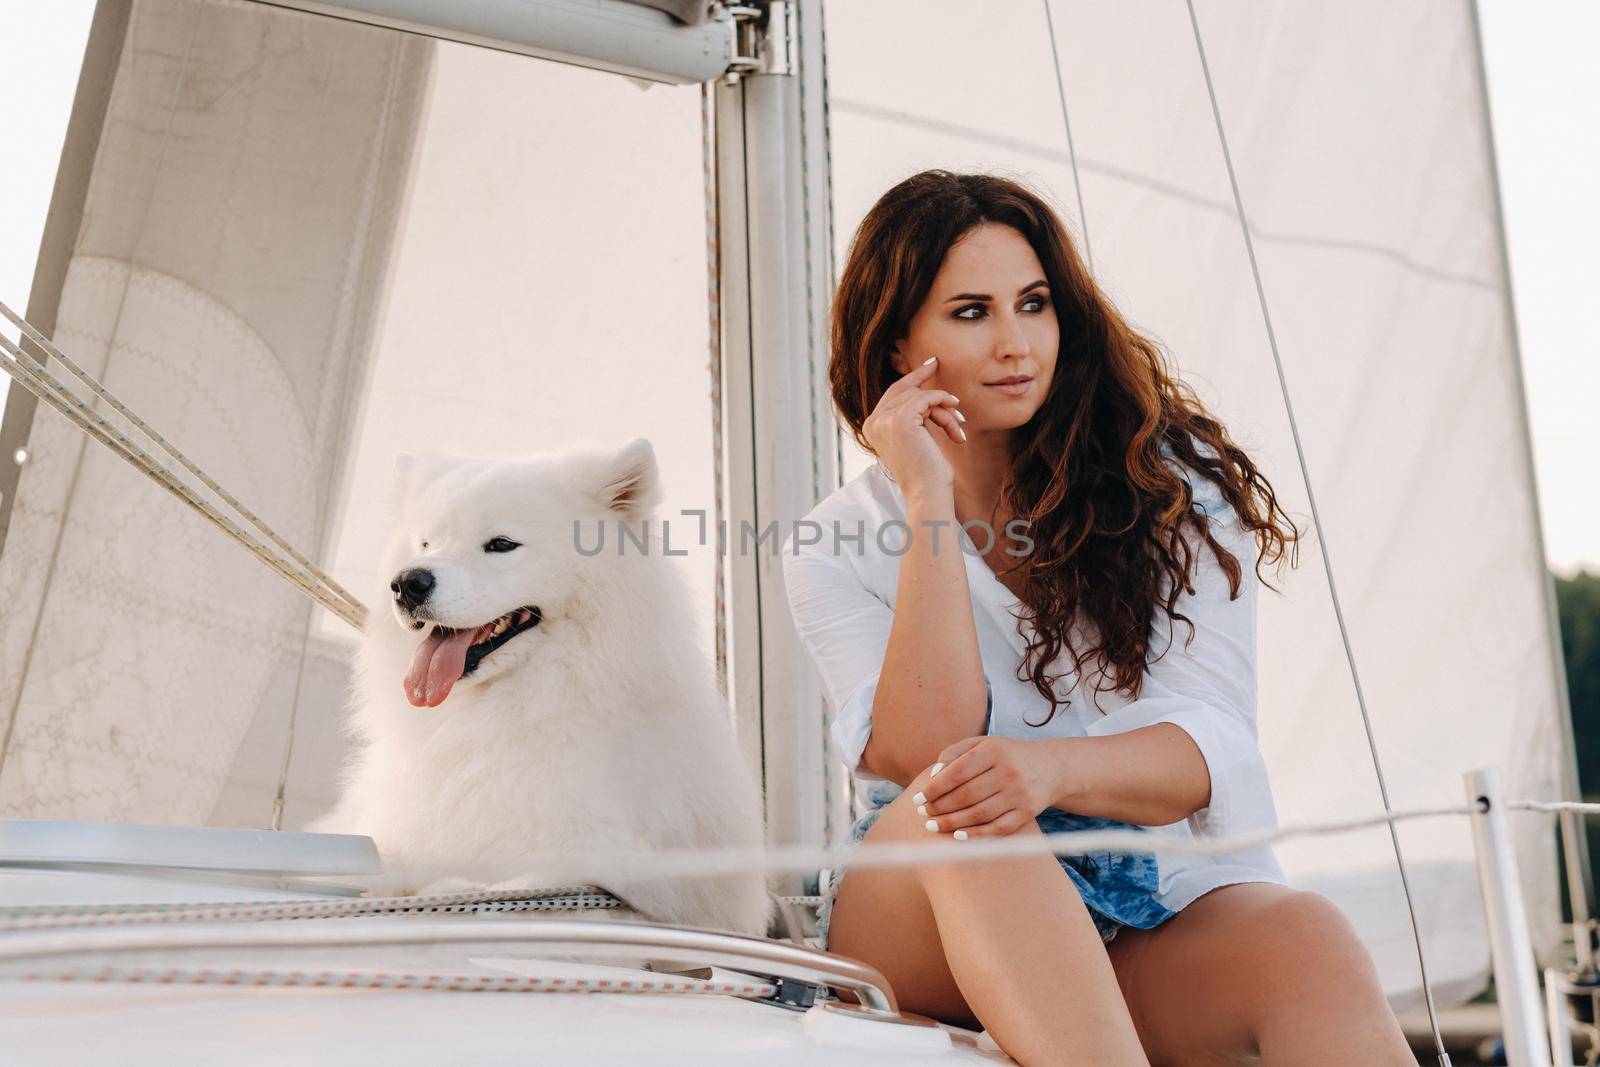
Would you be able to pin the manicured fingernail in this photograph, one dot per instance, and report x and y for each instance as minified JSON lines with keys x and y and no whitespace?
{"x":960,"y":835}
{"x":957,"y":399}
{"x":960,"y":417}
{"x":929,"y":360}
{"x":922,"y":809}
{"x":919,"y":799}
{"x":932,"y":824}
{"x":962,"y":432}
{"x":937,"y":767}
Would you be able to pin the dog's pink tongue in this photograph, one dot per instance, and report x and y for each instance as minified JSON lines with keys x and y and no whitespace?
{"x":437,"y":666}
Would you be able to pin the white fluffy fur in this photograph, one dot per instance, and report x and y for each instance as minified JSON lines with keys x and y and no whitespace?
{"x":601,"y":728}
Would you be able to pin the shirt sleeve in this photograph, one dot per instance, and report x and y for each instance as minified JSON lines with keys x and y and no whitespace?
{"x":844,"y":628}
{"x":1207,"y":685}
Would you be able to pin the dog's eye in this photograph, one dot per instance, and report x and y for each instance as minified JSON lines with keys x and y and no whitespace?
{"x":501,"y":544}
{"x":424,"y":546}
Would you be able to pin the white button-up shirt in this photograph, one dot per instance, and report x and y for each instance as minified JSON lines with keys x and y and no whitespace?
{"x":842,"y":593}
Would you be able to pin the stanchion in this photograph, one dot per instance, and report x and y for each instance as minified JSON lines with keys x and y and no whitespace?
{"x":1516,"y":976}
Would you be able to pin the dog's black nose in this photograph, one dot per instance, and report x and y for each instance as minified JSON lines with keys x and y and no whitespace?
{"x":411,"y":588}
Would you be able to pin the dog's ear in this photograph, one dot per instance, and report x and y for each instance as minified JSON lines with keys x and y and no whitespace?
{"x":412,"y":472}
{"x":631,"y":485}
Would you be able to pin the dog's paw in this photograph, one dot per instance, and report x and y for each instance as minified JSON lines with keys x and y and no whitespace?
{"x":387,"y":885}
{"x":445,"y":886}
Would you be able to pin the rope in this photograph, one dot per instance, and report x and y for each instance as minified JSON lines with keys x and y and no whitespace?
{"x":1072,"y":153}
{"x":54,"y":917}
{"x":161,"y":442}
{"x":714,"y":366}
{"x":44,"y":385}
{"x":454,"y":983}
{"x":1322,"y":540}
{"x":1555,"y":805}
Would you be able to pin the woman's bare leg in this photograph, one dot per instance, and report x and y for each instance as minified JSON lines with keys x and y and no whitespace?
{"x":1009,"y":942}
{"x":1257,"y":970}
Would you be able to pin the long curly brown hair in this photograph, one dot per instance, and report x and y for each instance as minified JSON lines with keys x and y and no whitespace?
{"x":1107,"y":511}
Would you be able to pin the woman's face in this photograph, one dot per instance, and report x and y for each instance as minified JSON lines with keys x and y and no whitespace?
{"x":989,"y":317}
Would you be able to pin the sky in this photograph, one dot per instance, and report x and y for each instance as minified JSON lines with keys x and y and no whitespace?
{"x":1545,"y":103}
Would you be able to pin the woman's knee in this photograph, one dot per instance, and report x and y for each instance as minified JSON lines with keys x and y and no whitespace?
{"x":1303,"y":935}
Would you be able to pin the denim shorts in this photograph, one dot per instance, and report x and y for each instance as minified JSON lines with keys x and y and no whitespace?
{"x":1119,"y":888}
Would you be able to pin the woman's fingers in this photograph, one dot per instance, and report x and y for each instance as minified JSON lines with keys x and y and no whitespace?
{"x":947,"y":421}
{"x":976,"y":814}
{"x":918,"y":403}
{"x":911,"y":379}
{"x":977,"y":788}
{"x":960,"y":765}
{"x":1003,"y":825}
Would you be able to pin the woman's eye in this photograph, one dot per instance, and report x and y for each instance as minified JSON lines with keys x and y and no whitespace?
{"x":1038,"y":301}
{"x":500,"y":544}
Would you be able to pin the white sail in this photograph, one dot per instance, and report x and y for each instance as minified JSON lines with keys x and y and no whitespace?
{"x":225,"y":281}
{"x":1358,"y":131}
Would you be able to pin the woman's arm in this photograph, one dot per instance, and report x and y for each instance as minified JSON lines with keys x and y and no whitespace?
{"x":931,"y":691}
{"x":1185,"y":748}
{"x":1150,"y":776}
{"x":1198,"y":690}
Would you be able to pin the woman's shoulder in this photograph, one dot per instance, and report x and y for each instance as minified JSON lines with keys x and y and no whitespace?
{"x":840,"y":541}
{"x":866,"y":501}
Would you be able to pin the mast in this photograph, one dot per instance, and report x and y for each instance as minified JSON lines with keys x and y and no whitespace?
{"x":780,"y":436}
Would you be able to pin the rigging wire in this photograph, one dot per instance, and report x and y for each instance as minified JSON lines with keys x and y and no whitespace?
{"x":1322,"y":540}
{"x":1066,"y":121}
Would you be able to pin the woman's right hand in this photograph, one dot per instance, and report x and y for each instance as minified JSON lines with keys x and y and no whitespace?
{"x":899,"y":431}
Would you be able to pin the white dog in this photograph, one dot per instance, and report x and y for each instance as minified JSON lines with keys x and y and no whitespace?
{"x":523,"y":696}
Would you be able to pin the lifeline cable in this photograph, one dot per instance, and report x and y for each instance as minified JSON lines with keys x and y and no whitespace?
{"x":618,"y":866}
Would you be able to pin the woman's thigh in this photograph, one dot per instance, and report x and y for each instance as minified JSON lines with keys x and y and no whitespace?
{"x":1252,"y":965}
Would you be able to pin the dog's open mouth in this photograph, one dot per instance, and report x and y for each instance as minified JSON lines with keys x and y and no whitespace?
{"x":446,"y":656}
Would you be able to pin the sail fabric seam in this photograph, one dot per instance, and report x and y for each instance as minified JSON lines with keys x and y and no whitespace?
{"x":1164,"y":188}
{"x":1322,"y":540}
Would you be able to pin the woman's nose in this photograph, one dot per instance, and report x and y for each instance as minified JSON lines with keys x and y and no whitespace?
{"x":1013,"y":340}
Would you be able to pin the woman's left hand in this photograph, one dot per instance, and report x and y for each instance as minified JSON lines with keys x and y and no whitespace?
{"x":989,"y":785}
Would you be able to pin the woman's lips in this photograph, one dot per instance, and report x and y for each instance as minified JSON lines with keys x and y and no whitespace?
{"x":1010,"y":388}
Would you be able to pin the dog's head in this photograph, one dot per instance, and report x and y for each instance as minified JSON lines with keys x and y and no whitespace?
{"x":485,"y":549}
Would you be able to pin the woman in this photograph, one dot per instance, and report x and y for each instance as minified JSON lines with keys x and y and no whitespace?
{"x":1087,"y":659}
